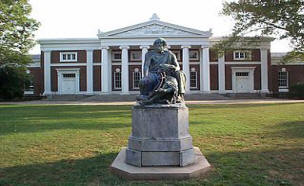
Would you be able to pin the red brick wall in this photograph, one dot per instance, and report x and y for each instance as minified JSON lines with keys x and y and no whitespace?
{"x":213,"y":77}
{"x":255,"y":55}
{"x":37,"y":75}
{"x":257,"y":76}
{"x":295,"y":75}
{"x":213,"y":56}
{"x":131,"y":70}
{"x":82,"y":77}
{"x":97,"y":56}
{"x":97,"y":78}
{"x":81,"y":56}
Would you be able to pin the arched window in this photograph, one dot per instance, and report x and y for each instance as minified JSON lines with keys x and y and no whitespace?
{"x":193,"y":78}
{"x":136,"y":78}
{"x":117,"y":79}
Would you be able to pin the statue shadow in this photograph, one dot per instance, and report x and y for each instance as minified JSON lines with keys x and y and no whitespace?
{"x":257,"y":167}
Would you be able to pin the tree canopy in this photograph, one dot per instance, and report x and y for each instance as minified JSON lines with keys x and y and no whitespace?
{"x":16,"y":32}
{"x":277,"y":18}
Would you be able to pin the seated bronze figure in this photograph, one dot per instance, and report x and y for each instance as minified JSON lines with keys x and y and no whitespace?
{"x":163,"y":81}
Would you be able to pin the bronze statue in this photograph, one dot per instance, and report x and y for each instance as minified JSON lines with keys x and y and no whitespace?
{"x":163,"y":81}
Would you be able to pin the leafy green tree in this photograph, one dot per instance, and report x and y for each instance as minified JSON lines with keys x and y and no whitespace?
{"x":278,"y":18}
{"x":16,"y":31}
{"x":16,"y":38}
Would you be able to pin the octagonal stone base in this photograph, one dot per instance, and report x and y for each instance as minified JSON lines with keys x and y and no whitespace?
{"x":197,"y":169}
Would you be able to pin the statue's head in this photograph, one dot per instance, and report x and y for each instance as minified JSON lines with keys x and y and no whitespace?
{"x":160,"y":45}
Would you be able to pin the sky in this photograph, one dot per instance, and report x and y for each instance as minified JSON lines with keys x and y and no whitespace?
{"x":83,"y":18}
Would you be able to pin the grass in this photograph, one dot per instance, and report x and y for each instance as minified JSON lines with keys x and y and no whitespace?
{"x":254,"y":144}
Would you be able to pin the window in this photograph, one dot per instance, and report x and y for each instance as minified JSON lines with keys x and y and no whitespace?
{"x":242,"y":55}
{"x":29,"y":87}
{"x":68,"y":56}
{"x":72,"y":75}
{"x":135,"y":55}
{"x":116,"y":56}
{"x":136,"y":78}
{"x":194,"y":55}
{"x":242,"y":74}
{"x":117,"y":79}
{"x":193,"y":78}
{"x":283,"y":79}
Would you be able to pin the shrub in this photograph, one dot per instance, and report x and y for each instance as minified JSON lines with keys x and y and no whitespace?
{"x":297,"y":91}
{"x":13,"y":79}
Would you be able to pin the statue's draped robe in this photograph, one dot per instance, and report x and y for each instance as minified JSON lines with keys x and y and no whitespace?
{"x":153,"y":62}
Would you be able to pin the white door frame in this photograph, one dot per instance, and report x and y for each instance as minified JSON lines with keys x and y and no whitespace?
{"x":61,"y":71}
{"x":250,"y":70}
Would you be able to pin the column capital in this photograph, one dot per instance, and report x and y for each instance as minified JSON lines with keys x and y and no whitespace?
{"x":144,"y":47}
{"x":204,"y":47}
{"x":105,"y":47}
{"x":186,"y":46}
{"x":46,"y":50}
{"x":124,"y":47}
{"x":90,"y":50}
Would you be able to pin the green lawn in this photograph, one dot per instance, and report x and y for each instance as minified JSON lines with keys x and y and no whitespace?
{"x":256,"y":144}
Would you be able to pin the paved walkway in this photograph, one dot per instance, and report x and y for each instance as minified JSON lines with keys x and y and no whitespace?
{"x":230,"y":101}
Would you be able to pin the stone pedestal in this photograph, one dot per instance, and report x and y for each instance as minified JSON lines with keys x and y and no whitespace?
{"x":160,"y":143}
{"x":160,"y":136}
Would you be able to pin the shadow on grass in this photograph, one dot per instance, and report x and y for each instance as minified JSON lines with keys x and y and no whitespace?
{"x":274,"y":167}
{"x":293,"y":129}
{"x":238,"y":106}
{"x":45,"y":118}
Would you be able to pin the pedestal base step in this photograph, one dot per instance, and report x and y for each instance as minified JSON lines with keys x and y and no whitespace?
{"x":197,"y":169}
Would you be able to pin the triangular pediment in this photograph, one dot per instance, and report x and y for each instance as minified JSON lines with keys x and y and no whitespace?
{"x":155,"y":28}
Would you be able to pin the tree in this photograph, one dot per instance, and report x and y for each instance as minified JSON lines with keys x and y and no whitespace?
{"x":279,"y":18}
{"x":16,"y":32}
{"x":16,"y":38}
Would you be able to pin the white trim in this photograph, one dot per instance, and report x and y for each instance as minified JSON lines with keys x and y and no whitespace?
{"x":221,"y":74}
{"x":243,"y":63}
{"x":250,"y":71}
{"x":113,"y":54}
{"x":186,"y":65}
{"x":114,"y":80}
{"x":89,"y":71}
{"x":287,"y":79}
{"x":264,"y":70}
{"x":61,"y":71}
{"x":67,"y":64}
{"x":197,"y":55}
{"x":206,"y":70}
{"x":68,"y":54}
{"x":192,"y":32}
{"x":286,"y":64}
{"x":196,"y":82}
{"x":47,"y":73}
{"x":133,"y":79}
{"x":124,"y":69}
{"x":244,"y":52}
{"x":283,"y":89}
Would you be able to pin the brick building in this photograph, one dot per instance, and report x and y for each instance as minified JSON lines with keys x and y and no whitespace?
{"x":112,"y":62}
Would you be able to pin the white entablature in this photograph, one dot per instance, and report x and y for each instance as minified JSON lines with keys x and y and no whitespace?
{"x":155,"y":28}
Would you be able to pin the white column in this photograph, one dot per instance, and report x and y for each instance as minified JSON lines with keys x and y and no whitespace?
{"x":186,"y":66}
{"x":221,"y":73}
{"x":105,"y":87}
{"x":206,"y":70}
{"x":47,"y":72}
{"x":124,"y":70}
{"x":89,"y":71}
{"x":144,"y":50}
{"x":264,"y":70}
